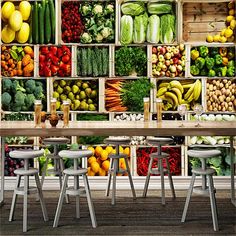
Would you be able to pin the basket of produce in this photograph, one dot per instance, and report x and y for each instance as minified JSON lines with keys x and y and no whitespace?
{"x":88,"y":22}
{"x":28,"y":22}
{"x":82,"y":94}
{"x":17,"y":61}
{"x":143,"y":21}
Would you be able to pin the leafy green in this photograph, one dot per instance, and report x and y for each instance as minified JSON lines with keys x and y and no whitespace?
{"x":126,"y":29}
{"x":132,"y":8}
{"x":153,"y":29}
{"x":159,"y":8}
{"x":140,"y":27}
{"x":167,"y":28}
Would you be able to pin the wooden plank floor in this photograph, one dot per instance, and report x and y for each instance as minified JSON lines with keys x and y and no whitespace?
{"x":144,"y":216}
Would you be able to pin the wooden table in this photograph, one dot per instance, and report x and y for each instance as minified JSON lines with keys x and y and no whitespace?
{"x":112,"y":128}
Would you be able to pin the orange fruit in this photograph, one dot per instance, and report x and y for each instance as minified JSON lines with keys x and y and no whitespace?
{"x":98,"y":151}
{"x":101,"y":172}
{"x":91,"y":160}
{"x":106,"y":165}
{"x":109,"y":149}
{"x":90,"y":172}
{"x":91,"y":149}
{"x":104,"y":155}
{"x":121,"y":149}
{"x":95,"y":167}
{"x":99,"y":161}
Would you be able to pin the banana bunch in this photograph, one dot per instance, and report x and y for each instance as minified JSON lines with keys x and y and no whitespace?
{"x":175,"y":93}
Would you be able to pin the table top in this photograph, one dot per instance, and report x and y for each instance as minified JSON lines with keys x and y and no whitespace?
{"x":114,"y":128}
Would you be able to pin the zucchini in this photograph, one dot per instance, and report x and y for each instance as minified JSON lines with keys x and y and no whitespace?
{"x":84,"y":62}
{"x":98,"y":59}
{"x":30,"y":40}
{"x":105,"y":61}
{"x":35,"y":24}
{"x":47,"y":24}
{"x":89,"y":61}
{"x":52,"y":19}
{"x":41,"y":24}
{"x":79,"y":59}
{"x":94,"y":64}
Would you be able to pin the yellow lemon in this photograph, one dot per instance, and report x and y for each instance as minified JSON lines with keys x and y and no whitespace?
{"x":127,"y":151}
{"x":121,"y":150}
{"x":91,"y":149}
{"x":102,"y":172}
{"x":113,"y":151}
{"x":209,"y":38}
{"x":229,"y":18}
{"x":222,"y":33}
{"x":231,"y":12}
{"x":232,"y":24}
{"x":216,"y":38}
{"x":223,"y":39}
{"x":90,"y":172}
{"x":95,"y":167}
{"x":98,"y":151}
{"x":122,"y":163}
{"x":91,"y":160}
{"x":104,"y":155}
{"x":7,"y":9}
{"x":228,"y":32}
{"x":109,"y":149}
{"x":106,"y":165}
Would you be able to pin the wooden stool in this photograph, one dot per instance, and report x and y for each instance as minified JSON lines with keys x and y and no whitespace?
{"x":114,"y":166}
{"x":58,"y":161}
{"x":26,"y":189}
{"x":158,"y":142}
{"x":203,"y":190}
{"x":76,"y":190}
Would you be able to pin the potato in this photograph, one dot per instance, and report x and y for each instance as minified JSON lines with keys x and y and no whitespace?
{"x":225,"y":81}
{"x":210,"y":108}
{"x":221,"y":85}
{"x":219,"y":108}
{"x":221,"y":98}
{"x":227,"y":99}
{"x":211,"y":87}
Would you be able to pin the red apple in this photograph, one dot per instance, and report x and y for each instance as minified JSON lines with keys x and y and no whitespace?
{"x":154,"y":50}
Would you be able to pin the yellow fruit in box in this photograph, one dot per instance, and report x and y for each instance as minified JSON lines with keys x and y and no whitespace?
{"x":223,"y":39}
{"x":222,"y":33}
{"x":228,"y":32}
{"x":229,"y":18}
{"x":232,"y":24}
{"x":106,"y":165}
{"x":91,"y":149}
{"x":15,"y":20}
{"x":216,"y":38}
{"x":102,"y":172}
{"x":91,"y":160}
{"x":22,"y":35}
{"x":127,"y":151}
{"x":109,"y":149}
{"x":122,"y":163}
{"x":104,"y":155}
{"x":95,"y":167}
{"x":209,"y":38}
{"x":121,"y":150}
{"x":90,"y":172}
{"x":231,"y":12}
{"x":25,"y":9}
{"x":98,"y":151}
{"x":8,"y":35}
{"x":113,"y":151}
{"x":99,"y":161}
{"x":7,"y":9}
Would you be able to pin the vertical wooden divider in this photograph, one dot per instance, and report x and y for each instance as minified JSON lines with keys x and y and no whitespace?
{"x":101,"y":94}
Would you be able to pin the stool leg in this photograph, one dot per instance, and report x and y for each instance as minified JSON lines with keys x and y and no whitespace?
{"x":76,"y":186}
{"x":44,"y":171}
{"x":170,"y":178}
{"x":40,"y":192}
{"x":26,"y":186}
{"x":188,"y":198}
{"x":114,"y":182}
{"x":61,"y":169}
{"x":160,"y":166}
{"x":90,"y":203}
{"x":130,"y":178}
{"x":213,"y":203}
{"x":14,"y":198}
{"x":148,"y":178}
{"x":109,"y":177}
{"x":60,"y":202}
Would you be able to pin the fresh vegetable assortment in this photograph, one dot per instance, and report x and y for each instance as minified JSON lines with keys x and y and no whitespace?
{"x":227,"y":34}
{"x":123,"y":95}
{"x":153,"y":22}
{"x":99,"y":163}
{"x":82,"y":94}
{"x":93,"y":61}
{"x":17,"y":61}
{"x":212,"y":61}
{"x":143,"y":158}
{"x":55,"y":61}
{"x":130,"y":61}
{"x":221,"y":95}
{"x":88,"y":22}
{"x":168,"y":61}
{"x":19,"y":95}
{"x":176,"y":92}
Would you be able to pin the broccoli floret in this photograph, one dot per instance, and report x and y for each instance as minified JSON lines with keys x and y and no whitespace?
{"x":38,"y":92}
{"x":98,"y":9}
{"x":30,"y":86}
{"x":19,"y":100}
{"x":17,"y":87}
{"x":38,"y":83}
{"x":29,"y":101}
{"x":86,"y":38}
{"x":6,"y":100}
{"x":7,"y":84}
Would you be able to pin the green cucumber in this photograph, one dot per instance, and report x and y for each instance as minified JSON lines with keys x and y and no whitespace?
{"x":52,"y":18}
{"x":105,"y":61}
{"x":84,"y":62}
{"x":79,"y":59}
{"x":47,"y":24}
{"x":41,"y":24}
{"x":89,"y":61}
{"x":35,"y":24}
{"x":30,"y":40}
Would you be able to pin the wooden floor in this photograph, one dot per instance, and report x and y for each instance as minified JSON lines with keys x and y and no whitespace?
{"x":144,"y":216}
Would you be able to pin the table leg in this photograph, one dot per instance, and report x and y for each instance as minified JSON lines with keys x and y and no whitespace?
{"x":2,"y":170}
{"x":233,"y":200}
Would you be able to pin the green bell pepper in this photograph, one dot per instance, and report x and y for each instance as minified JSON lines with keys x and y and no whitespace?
{"x":210,"y":62}
{"x":218,"y":59}
{"x":230,"y":71}
{"x":214,"y":51}
{"x":194,"y":70}
{"x":203,"y":50}
{"x":211,"y":73}
{"x":200,"y":62}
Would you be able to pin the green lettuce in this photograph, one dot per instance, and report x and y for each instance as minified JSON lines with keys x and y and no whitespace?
{"x":126,"y":29}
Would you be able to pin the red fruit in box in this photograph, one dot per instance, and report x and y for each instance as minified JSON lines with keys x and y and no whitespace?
{"x":154,"y":50}
{"x":42,"y":58}
{"x":44,"y":50}
{"x":55,"y":60}
{"x":65,"y":50}
{"x":66,"y":68}
{"x":53,"y":50}
{"x":59,"y":53}
{"x":65,"y":58}
{"x":47,"y":71}
{"x":54,"y":69}
{"x":61,"y":73}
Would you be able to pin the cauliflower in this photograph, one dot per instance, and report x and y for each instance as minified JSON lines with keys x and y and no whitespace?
{"x":86,"y":38}
{"x":109,"y":9}
{"x":106,"y":32}
{"x":85,"y":9}
{"x":97,"y":10}
{"x":99,"y":38}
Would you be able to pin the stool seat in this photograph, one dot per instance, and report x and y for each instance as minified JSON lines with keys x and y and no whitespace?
{"x":26,"y":154}
{"x":118,"y":156}
{"x":156,"y":155}
{"x":204,"y":153}
{"x":52,"y":156}
{"x":200,"y":171}
{"x":156,"y":171}
{"x":22,"y":171}
{"x":117,"y":140}
{"x":55,"y":141}
{"x":155,"y":141}
{"x":74,"y":154}
{"x":71,"y":171}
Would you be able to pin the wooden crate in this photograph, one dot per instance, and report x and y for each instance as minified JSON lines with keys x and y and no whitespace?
{"x":202,"y":18}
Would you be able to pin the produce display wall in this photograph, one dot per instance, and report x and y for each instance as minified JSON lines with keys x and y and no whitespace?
{"x":194,"y":21}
